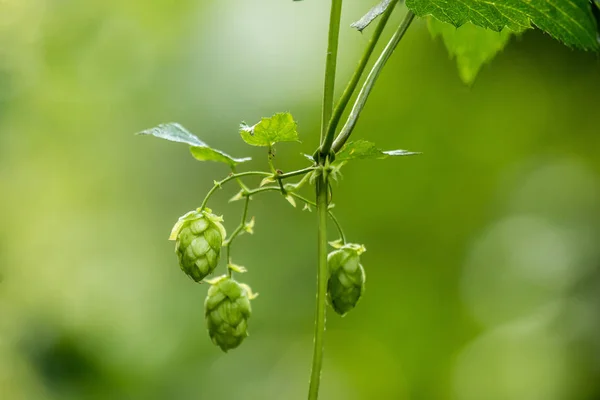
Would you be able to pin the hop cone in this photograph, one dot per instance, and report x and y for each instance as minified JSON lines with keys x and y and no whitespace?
{"x":346,"y":278}
{"x":199,"y":236}
{"x":227,"y":309}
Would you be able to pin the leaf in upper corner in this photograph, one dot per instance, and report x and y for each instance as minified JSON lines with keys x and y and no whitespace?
{"x":471,"y":45}
{"x":569,"y":21}
{"x":174,"y":132}
{"x":362,"y":149}
{"x":280,"y":127}
{"x":370,"y":16}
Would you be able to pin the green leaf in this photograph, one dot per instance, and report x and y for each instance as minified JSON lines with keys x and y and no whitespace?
{"x":370,"y":16}
{"x":362,"y":149}
{"x":280,"y":127}
{"x":471,"y":45}
{"x":210,"y":154}
{"x":174,"y":132}
{"x":570,"y":21}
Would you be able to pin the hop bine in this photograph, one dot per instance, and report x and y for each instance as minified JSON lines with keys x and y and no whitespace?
{"x":199,"y":236}
{"x":227,"y":309}
{"x":346,"y":282}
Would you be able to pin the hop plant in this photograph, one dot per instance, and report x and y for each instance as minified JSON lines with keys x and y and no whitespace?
{"x":346,"y":282}
{"x":199,"y":236}
{"x":227,"y":309}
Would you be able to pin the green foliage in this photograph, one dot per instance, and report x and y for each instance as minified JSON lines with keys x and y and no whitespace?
{"x":481,"y":29}
{"x":280,"y":127}
{"x":471,"y":45}
{"x":174,"y":132}
{"x":362,"y":149}
{"x":570,"y":21}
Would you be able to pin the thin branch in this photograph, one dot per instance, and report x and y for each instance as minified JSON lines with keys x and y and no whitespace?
{"x":370,"y":82}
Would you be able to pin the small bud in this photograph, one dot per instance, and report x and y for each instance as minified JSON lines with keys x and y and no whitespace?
{"x":227,"y":309}
{"x":199,"y":236}
{"x":346,"y":282}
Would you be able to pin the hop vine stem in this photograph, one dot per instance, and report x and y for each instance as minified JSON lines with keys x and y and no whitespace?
{"x":237,"y":176}
{"x":353,"y":83}
{"x":321,"y":196}
{"x":240,"y":228}
{"x":367,"y":87}
{"x":322,"y":276}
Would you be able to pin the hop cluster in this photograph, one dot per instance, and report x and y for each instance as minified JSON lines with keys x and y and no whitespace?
{"x":227,"y":309}
{"x":346,"y":277}
{"x":199,"y":236}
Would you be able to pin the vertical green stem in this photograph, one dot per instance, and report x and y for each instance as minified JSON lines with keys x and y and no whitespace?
{"x":330,"y":64}
{"x":322,"y":278}
{"x":235,"y":234}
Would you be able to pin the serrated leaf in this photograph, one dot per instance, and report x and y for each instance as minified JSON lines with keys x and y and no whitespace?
{"x":280,"y":127}
{"x":570,"y":21}
{"x":370,"y":16}
{"x":471,"y":45}
{"x":175,"y":132}
{"x":362,"y":149}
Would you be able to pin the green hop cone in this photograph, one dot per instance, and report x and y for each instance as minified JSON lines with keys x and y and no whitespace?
{"x":199,"y":236}
{"x":227,"y":309}
{"x":346,"y":282}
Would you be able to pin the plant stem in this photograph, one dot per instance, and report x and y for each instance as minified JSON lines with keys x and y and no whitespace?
{"x":370,"y":82}
{"x":322,"y":276}
{"x":343,"y":102}
{"x":235,"y":234}
{"x":295,"y":173}
{"x":248,"y":173}
{"x":330,"y":64}
{"x":338,"y":226}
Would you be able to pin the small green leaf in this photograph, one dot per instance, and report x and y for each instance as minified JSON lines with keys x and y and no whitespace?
{"x":471,"y":45}
{"x":362,"y":149}
{"x":370,"y":16}
{"x":278,"y":128}
{"x":291,"y":200}
{"x":266,"y":181}
{"x":238,"y":196}
{"x":210,"y":154}
{"x":174,"y":132}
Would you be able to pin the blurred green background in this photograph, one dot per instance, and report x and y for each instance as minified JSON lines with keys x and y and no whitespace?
{"x":483,"y":261}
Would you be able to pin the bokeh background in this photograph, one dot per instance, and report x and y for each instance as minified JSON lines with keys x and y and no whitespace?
{"x":483,"y":261}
